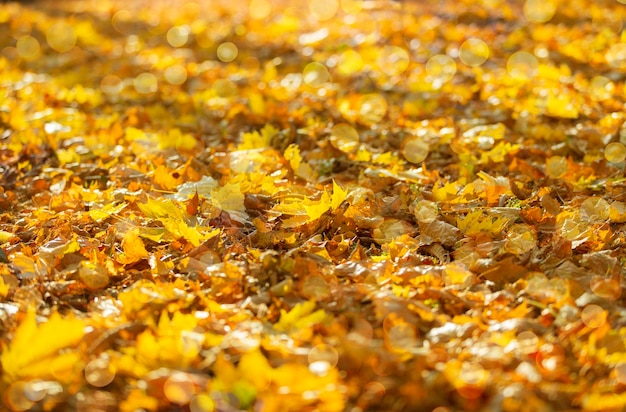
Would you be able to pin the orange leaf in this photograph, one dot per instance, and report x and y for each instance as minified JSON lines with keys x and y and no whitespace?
{"x":192,"y":204}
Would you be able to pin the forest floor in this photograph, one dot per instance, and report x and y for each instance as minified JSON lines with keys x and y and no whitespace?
{"x":312,"y":206}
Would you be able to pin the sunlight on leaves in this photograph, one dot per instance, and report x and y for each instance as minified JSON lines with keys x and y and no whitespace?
{"x":36,"y":350}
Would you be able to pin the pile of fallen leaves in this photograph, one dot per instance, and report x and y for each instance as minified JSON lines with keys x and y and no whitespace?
{"x":299,"y":206}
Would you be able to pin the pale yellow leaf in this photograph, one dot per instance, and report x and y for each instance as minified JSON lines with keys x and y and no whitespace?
{"x":229,"y":198}
{"x":106,"y":211}
{"x":5,"y":236}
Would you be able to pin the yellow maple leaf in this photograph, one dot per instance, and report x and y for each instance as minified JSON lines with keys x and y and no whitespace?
{"x":363,"y":155}
{"x":292,"y":208}
{"x":562,"y":105}
{"x":172,"y":344}
{"x":386,"y":158}
{"x":133,"y":247}
{"x":307,"y":210}
{"x":229,"y":197}
{"x":177,"y":140}
{"x":327,"y":202}
{"x":168,"y":179}
{"x":499,"y":152}
{"x":300,"y":380}
{"x":225,"y":372}
{"x":339,"y":195}
{"x":174,"y":221}
{"x":157,"y":234}
{"x":261,"y":182}
{"x":36,"y":350}
{"x":108,"y":210}
{"x":138,"y":400}
{"x":300,"y":168}
{"x":316,"y":209}
{"x":157,"y":209}
{"x":193,"y":234}
{"x":301,"y":316}
{"x":258,"y":140}
{"x":255,"y":368}
{"x":457,"y":274}
{"x":477,"y":221}
{"x":448,"y":191}
{"x":295,"y":221}
{"x":132,"y":134}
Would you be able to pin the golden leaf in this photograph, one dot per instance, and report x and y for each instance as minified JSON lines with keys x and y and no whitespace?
{"x":5,"y":236}
{"x":256,"y":103}
{"x":604,"y":401}
{"x":174,"y":221}
{"x":157,"y":209}
{"x":301,"y":316}
{"x":477,"y":221}
{"x":132,"y":134}
{"x":138,"y":400}
{"x":448,"y":191}
{"x":229,"y":198}
{"x":4,"y":288}
{"x":255,"y":368}
{"x":133,"y":247}
{"x":106,"y":211}
{"x":339,"y":195}
{"x":300,"y":168}
{"x":307,"y":210}
{"x":177,"y":140}
{"x":34,"y":347}
{"x":258,"y":140}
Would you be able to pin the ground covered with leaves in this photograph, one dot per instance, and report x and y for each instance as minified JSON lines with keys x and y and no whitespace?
{"x":290,"y":206}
